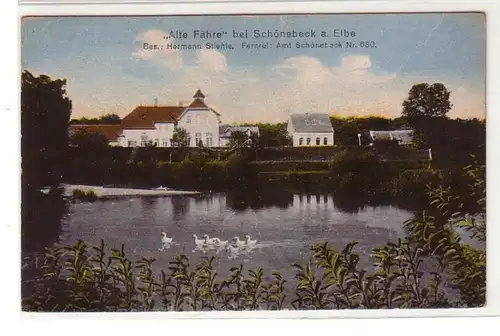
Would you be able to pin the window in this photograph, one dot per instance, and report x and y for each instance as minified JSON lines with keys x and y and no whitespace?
{"x":157,"y":142}
{"x":144,"y":139}
{"x":164,"y":142}
{"x":197,"y":138}
{"x":301,"y":141}
{"x":318,"y":141}
{"x":132,"y":143}
{"x":188,"y":119}
{"x":308,"y":141}
{"x":209,"y":139}
{"x":325,"y":141}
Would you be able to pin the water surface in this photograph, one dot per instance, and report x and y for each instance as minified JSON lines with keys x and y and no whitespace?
{"x":285,"y":226}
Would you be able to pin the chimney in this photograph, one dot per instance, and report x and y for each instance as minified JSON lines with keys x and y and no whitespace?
{"x":180,"y":103}
{"x":156,"y":101}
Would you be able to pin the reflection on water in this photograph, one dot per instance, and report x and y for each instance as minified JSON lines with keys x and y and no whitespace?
{"x":257,"y":199}
{"x":180,"y":206}
{"x":41,"y":216}
{"x":284,"y":224}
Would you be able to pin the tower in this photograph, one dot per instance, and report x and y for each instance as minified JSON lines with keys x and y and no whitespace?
{"x":199,"y":95}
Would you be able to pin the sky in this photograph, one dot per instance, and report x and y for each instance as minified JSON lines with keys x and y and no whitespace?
{"x":108,"y":70}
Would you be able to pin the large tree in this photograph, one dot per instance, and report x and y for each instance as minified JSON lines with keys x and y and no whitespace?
{"x":45,"y":113}
{"x":427,"y":100}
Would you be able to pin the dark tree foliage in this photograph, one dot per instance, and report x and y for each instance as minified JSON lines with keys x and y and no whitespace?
{"x":273,"y":135}
{"x":347,"y":129}
{"x":427,"y":100}
{"x":88,"y":140}
{"x":238,"y":139}
{"x":106,"y":119}
{"x":45,"y":113}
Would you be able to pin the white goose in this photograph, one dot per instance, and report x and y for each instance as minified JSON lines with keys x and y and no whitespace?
{"x":198,"y":242}
{"x":208,"y":240}
{"x":218,"y":242}
{"x":165,"y":239}
{"x":249,"y":242}
{"x":238,"y":242}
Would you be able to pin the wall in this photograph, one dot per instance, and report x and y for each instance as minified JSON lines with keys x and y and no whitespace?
{"x":201,"y":121}
{"x":162,"y":131}
{"x":313,"y":136}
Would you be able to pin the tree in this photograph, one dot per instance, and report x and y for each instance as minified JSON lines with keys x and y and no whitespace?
{"x":254,"y":140}
{"x":45,"y":114}
{"x":427,"y":100}
{"x":274,"y":135}
{"x":180,"y":137}
{"x":88,"y":140}
{"x":106,"y":119}
{"x":238,"y":139}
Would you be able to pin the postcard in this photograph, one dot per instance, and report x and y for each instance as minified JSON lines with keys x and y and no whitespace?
{"x":253,"y":162}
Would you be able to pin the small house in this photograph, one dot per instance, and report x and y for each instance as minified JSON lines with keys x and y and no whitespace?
{"x":310,"y":129}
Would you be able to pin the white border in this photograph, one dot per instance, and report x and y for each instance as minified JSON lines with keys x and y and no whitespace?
{"x":492,"y":9}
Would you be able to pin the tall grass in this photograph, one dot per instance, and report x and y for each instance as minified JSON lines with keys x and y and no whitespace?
{"x":86,"y":278}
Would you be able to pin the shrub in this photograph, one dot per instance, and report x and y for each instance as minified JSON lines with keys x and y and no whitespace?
{"x":273,"y":166}
{"x":213,"y":173}
{"x":186,"y":172}
{"x":413,"y":182}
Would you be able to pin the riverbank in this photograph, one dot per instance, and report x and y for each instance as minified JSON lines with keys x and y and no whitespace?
{"x":113,"y":192}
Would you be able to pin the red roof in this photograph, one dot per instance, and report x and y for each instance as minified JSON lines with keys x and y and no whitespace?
{"x":198,"y":103}
{"x":146,"y":116}
{"x":111,"y":132}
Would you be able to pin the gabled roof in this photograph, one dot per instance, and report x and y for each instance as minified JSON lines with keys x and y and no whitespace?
{"x":111,"y":132}
{"x":311,"y":123}
{"x":147,"y":116}
{"x":198,"y":103}
{"x":226,"y":130}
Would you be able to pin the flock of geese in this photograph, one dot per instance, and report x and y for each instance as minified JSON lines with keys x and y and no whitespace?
{"x":207,"y":243}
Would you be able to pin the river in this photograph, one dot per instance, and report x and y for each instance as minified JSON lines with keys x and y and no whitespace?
{"x":284,"y":224}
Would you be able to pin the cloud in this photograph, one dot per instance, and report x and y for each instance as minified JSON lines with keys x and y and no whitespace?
{"x":212,"y":61}
{"x":356,"y":63}
{"x":169,"y":58}
{"x":270,"y":93}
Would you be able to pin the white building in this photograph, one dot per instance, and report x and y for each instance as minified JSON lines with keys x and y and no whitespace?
{"x":403,"y":137}
{"x":310,"y":129}
{"x":156,"y":124}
